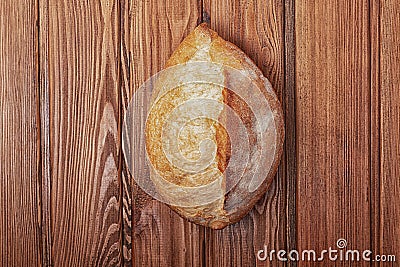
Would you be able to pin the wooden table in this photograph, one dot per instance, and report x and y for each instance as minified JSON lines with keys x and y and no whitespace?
{"x":68,"y":69}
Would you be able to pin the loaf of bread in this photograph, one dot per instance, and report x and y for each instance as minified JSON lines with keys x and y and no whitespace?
{"x":190,"y":149}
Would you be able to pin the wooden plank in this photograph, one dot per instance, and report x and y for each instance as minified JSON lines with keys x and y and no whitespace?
{"x":45,"y":147}
{"x":257,"y":27}
{"x":288,"y":96}
{"x":375,"y":125}
{"x":126,"y":179}
{"x":83,"y":62}
{"x":333,"y":124}
{"x":390,"y":128}
{"x":19,"y":136}
{"x":151,"y":30}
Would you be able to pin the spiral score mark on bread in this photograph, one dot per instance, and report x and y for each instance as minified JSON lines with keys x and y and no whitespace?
{"x":213,"y":142}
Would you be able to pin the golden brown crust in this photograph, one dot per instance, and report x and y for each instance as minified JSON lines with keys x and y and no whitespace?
{"x":201,"y":37}
{"x":238,"y":202}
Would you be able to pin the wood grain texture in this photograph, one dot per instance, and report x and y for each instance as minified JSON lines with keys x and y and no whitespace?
{"x":375,"y":124}
{"x":45,"y":146}
{"x":126,"y":179}
{"x":257,"y":27}
{"x":289,"y":160}
{"x":85,"y":137}
{"x":151,"y":30}
{"x":68,"y":70}
{"x":333,"y":124}
{"x":390,"y":128}
{"x":19,"y":146}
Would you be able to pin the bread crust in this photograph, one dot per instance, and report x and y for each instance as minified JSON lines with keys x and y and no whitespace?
{"x":234,"y":205}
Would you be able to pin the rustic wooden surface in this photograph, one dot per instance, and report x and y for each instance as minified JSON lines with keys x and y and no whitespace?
{"x":84,"y":116}
{"x":389,"y":56}
{"x":19,"y":143}
{"x":69,"y":68}
{"x":333,"y":123}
